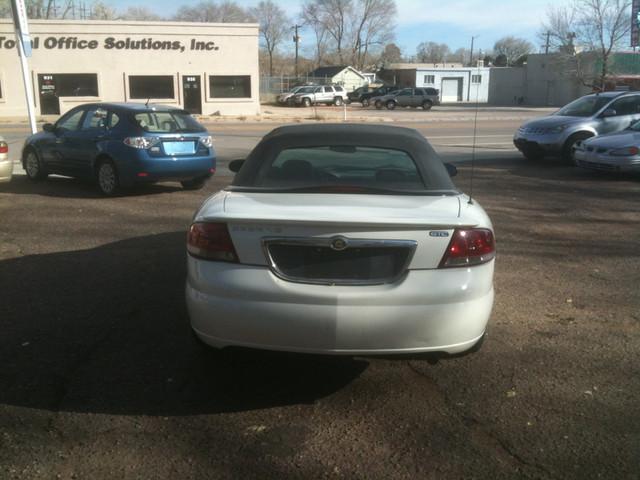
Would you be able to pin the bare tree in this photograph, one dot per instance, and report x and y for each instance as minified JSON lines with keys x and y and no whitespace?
{"x":311,"y":18}
{"x":461,"y":55}
{"x":334,"y":17}
{"x":140,"y":14}
{"x":601,"y":27}
{"x":102,"y":11}
{"x":432,"y":52}
{"x":374,"y":22}
{"x":558,"y":30}
{"x":274,"y":26}
{"x":5,"y":9}
{"x":353,"y":29}
{"x":209,"y":11}
{"x":390,"y":54}
{"x":597,"y":26}
{"x":513,"y":48}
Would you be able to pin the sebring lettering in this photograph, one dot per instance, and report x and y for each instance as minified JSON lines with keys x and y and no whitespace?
{"x":112,"y":43}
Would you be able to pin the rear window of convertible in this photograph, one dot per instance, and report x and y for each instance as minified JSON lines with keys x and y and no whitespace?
{"x":341,"y":166}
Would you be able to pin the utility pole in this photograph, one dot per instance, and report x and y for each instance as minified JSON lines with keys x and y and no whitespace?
{"x":296,"y":39}
{"x":546,"y":46}
{"x":471,"y":56}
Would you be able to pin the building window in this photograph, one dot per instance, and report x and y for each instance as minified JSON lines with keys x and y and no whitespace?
{"x":476,"y":78}
{"x":430,"y":79}
{"x":76,"y":84}
{"x":230,"y":86}
{"x":151,"y":86}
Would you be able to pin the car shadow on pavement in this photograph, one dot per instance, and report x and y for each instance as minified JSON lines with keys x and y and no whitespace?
{"x":105,"y":330}
{"x":65,"y":187}
{"x":557,"y":169}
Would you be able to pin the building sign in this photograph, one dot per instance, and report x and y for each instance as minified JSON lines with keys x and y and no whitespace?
{"x":635,"y":20}
{"x":112,"y":43}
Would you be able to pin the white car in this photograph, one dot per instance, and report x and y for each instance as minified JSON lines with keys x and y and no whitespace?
{"x":615,"y":152}
{"x":6,"y":165}
{"x":341,"y":239}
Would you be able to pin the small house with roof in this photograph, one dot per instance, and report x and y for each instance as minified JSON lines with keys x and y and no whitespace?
{"x":344,"y":75}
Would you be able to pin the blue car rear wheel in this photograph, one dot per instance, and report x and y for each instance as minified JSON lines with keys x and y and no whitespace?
{"x":108,"y":181}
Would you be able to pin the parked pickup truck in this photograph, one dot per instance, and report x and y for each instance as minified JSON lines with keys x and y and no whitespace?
{"x":327,"y":94}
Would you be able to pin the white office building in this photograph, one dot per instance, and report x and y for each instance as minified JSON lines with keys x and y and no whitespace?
{"x":202,"y":67}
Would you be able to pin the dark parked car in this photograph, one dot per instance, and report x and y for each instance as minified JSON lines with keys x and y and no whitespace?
{"x":122,"y":144}
{"x":408,"y":97}
{"x":364,"y":94}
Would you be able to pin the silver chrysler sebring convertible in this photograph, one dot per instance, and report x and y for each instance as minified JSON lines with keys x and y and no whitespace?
{"x":341,"y":239}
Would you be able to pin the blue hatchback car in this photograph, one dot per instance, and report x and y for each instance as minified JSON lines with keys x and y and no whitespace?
{"x":122,"y":144}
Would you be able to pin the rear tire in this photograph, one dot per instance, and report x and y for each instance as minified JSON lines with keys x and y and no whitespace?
{"x":365,"y":102}
{"x":378,"y":105}
{"x":570,"y":144}
{"x":33,"y":166}
{"x":427,"y":104}
{"x":306,"y":102}
{"x":194,"y":184}
{"x":338,"y":101}
{"x":107,"y":177}
{"x":391,"y":105}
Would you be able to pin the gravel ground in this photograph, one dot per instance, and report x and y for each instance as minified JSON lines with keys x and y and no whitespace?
{"x":100,"y":378}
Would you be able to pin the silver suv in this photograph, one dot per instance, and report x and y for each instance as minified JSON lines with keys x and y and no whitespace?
{"x":326,"y":94}
{"x":588,"y":116}
{"x":408,"y":97}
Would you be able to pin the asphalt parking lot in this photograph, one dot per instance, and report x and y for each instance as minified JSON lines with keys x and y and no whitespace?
{"x":101,"y":379}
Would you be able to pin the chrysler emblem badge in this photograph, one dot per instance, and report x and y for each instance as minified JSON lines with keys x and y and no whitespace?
{"x":339,"y":244}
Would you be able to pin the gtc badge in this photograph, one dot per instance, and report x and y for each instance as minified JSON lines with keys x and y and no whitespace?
{"x":339,"y":244}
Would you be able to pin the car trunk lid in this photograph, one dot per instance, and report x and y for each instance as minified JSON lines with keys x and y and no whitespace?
{"x":338,"y":239}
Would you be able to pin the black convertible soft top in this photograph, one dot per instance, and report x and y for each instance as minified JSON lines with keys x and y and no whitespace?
{"x":407,"y":140}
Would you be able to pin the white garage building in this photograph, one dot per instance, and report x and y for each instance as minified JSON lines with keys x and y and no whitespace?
{"x":461,"y":84}
{"x":202,"y":67}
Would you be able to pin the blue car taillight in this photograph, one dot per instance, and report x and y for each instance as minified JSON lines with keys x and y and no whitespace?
{"x":141,"y":142}
{"x":207,"y":141}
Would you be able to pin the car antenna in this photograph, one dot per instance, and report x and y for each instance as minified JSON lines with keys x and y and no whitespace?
{"x":473,"y":146}
{"x":146,"y":104}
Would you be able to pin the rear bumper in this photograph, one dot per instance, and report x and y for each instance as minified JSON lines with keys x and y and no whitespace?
{"x":444,"y":311}
{"x":6,"y":170}
{"x":143,"y":168}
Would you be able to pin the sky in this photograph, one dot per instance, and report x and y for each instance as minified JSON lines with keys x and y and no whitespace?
{"x":453,"y":22}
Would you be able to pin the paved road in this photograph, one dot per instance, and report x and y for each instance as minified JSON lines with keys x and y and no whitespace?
{"x":100,"y":378}
{"x":454,"y":140}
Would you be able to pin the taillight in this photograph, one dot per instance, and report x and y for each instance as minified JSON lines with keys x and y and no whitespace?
{"x":4,"y":147}
{"x":141,"y":142}
{"x":211,"y":241}
{"x":469,"y":247}
{"x":207,"y":141}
